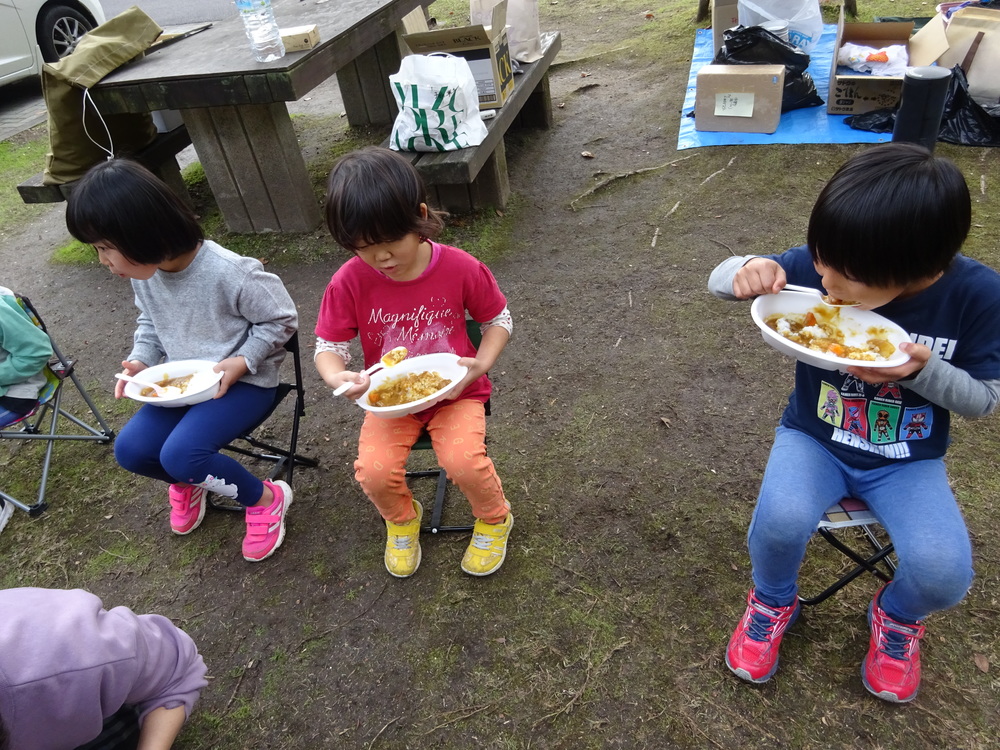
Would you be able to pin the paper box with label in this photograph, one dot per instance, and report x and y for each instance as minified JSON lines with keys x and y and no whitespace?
{"x":725,"y":15}
{"x":299,"y":38}
{"x":485,"y":47}
{"x":854,"y":93}
{"x":739,"y":98}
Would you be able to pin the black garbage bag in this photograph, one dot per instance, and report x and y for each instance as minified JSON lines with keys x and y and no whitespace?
{"x":876,"y":121}
{"x":753,"y":45}
{"x":965,"y":121}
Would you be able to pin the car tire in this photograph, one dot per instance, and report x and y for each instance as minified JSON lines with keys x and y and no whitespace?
{"x":59,"y":29}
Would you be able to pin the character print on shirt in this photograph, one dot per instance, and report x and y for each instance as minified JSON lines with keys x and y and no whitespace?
{"x":829,"y":406}
{"x":884,"y":420}
{"x":855,"y":417}
{"x":917,"y":423}
{"x":889,"y":390}
{"x":852,"y":386}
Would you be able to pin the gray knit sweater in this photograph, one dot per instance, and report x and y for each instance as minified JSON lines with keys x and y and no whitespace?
{"x":222,"y":305}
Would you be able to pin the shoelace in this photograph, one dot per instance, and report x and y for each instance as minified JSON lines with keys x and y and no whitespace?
{"x":482,"y":541}
{"x":403,"y":543}
{"x":760,"y":626}
{"x":895,"y":642}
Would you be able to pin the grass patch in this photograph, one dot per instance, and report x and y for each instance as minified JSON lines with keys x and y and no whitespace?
{"x":20,"y":157}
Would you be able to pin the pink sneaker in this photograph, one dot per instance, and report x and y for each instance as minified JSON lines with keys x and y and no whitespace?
{"x":266,"y":526}
{"x":752,"y":653}
{"x":187,"y":508}
{"x":891,"y":670}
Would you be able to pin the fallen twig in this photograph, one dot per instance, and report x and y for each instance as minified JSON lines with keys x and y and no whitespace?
{"x":573,"y":61}
{"x":184,"y":620}
{"x":232,"y":696}
{"x":471,"y":712}
{"x":604,"y":183}
{"x":327,"y":632}
{"x":720,"y":242}
{"x":379,"y":734}
{"x":718,"y":171}
{"x":583,"y":688}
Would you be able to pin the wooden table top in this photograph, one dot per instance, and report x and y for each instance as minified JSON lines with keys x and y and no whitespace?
{"x":216,"y":67}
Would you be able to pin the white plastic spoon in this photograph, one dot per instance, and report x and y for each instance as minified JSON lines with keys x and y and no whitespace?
{"x":824,"y":298}
{"x":390,"y":358}
{"x":161,"y":390}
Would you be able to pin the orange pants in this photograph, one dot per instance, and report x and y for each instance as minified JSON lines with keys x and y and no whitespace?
{"x":458,"y":434}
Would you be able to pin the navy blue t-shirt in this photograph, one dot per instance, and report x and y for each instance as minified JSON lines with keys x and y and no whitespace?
{"x":865,"y":426}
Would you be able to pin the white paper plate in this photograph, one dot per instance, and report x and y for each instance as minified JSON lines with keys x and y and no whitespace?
{"x":856,"y":325}
{"x":443,"y":363}
{"x":203,"y":386}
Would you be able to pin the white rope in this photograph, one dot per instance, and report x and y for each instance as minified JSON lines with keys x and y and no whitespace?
{"x":107,"y":131}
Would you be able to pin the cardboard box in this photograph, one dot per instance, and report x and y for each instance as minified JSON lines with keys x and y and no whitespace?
{"x":485,"y":47}
{"x":961,"y":30}
{"x":739,"y":98}
{"x":854,"y":93}
{"x":725,"y":15}
{"x":299,"y":38}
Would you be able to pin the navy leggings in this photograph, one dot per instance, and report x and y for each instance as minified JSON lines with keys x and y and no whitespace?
{"x":182,"y":444}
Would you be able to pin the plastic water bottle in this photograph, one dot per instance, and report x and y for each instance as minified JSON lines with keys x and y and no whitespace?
{"x":262,"y":30}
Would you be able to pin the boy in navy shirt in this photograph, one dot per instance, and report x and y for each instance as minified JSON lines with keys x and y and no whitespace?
{"x":885,"y":232}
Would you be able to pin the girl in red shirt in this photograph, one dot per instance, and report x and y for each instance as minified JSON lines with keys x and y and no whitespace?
{"x":403,"y":289}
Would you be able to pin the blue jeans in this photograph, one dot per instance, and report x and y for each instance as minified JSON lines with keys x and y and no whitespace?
{"x":912,"y":501}
{"x":8,"y":417}
{"x":182,"y":444}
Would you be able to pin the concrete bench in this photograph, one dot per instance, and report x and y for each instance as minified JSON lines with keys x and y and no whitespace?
{"x":158,"y":157}
{"x":473,"y":178}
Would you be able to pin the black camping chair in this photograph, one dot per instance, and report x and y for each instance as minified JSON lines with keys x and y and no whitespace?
{"x":854,"y":513}
{"x":424,"y":443}
{"x":285,"y":459}
{"x":58,"y":372}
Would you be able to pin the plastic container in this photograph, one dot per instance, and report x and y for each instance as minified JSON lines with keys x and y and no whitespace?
{"x":921,"y":105}
{"x":779,"y":28}
{"x":262,"y":30}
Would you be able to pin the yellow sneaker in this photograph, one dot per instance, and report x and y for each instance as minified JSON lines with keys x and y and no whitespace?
{"x":488,"y":548}
{"x":402,"y":545}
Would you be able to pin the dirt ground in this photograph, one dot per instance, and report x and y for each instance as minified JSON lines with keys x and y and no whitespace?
{"x":631,"y":420}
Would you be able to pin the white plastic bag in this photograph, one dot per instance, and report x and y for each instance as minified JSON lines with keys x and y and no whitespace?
{"x":523,"y":31}
{"x":805,"y":20}
{"x":887,"y":61}
{"x":438,"y":104}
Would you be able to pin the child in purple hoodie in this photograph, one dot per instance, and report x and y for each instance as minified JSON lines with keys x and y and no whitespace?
{"x":71,"y":672}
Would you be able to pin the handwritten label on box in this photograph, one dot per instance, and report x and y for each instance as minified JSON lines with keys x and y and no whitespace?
{"x":734,"y":105}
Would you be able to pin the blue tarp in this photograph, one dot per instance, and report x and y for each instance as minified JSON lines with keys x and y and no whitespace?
{"x":809,"y":125}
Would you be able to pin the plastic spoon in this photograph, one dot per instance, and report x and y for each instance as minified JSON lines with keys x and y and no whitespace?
{"x":390,"y":358}
{"x":161,"y":390}
{"x":824,"y":298}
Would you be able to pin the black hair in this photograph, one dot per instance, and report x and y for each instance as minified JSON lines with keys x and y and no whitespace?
{"x":124,"y":204}
{"x":891,"y":215}
{"x":4,"y":739}
{"x":373,"y":195}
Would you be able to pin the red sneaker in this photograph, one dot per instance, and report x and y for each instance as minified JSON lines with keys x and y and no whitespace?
{"x":266,"y":526}
{"x":752,"y":654}
{"x":891,"y":670}
{"x":187,"y":508}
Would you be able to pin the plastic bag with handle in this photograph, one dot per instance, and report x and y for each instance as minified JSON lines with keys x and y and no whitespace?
{"x":805,"y":20}
{"x":438,"y":104}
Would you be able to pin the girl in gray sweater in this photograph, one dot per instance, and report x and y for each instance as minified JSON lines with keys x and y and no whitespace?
{"x":196,"y":300}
